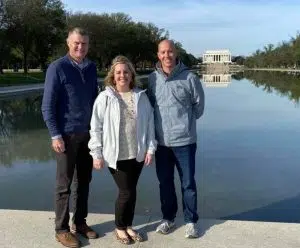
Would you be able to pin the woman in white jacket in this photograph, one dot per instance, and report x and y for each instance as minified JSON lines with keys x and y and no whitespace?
{"x":122,"y":137}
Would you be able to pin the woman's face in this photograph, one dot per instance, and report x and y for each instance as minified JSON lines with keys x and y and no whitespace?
{"x":122,"y":77}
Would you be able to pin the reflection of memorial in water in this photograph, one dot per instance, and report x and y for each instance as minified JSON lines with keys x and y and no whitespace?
{"x":216,"y":80}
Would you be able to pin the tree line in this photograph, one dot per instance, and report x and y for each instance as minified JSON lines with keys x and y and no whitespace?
{"x":33,"y":33}
{"x":283,"y":55}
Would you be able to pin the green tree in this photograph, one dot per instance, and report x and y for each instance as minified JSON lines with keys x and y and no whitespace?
{"x":34,"y":26}
{"x":114,"y":34}
{"x":240,"y":60}
{"x":52,"y":35}
{"x":4,"y":44}
{"x":186,"y":58}
{"x":286,"y":54}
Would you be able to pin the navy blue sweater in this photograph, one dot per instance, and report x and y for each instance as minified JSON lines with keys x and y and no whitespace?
{"x":69,"y":96}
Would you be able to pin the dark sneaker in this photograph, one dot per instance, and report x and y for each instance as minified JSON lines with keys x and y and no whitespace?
{"x":84,"y":230}
{"x":67,"y":239}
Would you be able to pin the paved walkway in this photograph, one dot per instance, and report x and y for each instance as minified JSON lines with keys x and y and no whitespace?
{"x":29,"y":229}
{"x":21,"y":89}
{"x":272,"y":69}
{"x":15,"y":90}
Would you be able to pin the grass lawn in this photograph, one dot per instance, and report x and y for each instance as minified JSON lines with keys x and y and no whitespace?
{"x":11,"y":79}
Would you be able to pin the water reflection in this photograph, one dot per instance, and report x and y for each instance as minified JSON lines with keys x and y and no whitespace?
{"x":248,"y":138}
{"x":22,"y":131}
{"x":286,"y":84}
{"x":247,"y":157}
{"x":216,"y":80}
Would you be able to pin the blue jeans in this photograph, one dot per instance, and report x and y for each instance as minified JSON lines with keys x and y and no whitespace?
{"x":183,"y":157}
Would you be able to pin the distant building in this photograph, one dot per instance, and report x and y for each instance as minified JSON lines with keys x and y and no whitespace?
{"x":217,"y":56}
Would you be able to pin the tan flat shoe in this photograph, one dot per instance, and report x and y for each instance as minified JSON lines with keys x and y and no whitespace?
{"x":136,"y":237}
{"x":125,"y":241}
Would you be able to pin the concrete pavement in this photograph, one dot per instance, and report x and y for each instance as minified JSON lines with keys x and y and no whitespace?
{"x":20,"y":89}
{"x":29,"y":229}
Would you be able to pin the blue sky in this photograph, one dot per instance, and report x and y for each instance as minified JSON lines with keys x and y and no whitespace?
{"x":242,"y":26}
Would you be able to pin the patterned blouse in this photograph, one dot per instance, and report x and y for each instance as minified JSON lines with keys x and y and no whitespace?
{"x":127,"y":142}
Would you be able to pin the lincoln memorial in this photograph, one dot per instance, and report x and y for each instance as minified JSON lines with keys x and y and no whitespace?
{"x":217,"y":56}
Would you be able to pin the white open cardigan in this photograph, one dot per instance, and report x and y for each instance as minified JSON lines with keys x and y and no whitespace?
{"x":105,"y":124}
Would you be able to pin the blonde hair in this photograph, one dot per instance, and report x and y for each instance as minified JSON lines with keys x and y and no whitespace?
{"x":110,"y":80}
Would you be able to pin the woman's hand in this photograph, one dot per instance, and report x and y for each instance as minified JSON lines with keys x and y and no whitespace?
{"x":98,"y":164}
{"x":148,"y":159}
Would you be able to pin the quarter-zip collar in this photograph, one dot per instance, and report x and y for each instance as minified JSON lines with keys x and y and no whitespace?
{"x":80,"y":67}
{"x":83,"y":64}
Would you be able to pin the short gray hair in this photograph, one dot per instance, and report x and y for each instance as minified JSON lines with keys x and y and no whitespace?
{"x":78,"y":30}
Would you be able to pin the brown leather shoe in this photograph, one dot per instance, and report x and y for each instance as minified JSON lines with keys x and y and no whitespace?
{"x":67,"y":239}
{"x":84,"y":230}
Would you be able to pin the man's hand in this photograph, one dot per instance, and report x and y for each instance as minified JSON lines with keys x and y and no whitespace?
{"x":98,"y":164}
{"x":58,"y":145}
{"x":148,"y":159}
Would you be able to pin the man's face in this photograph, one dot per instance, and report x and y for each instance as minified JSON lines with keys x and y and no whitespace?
{"x":167,"y":54}
{"x":78,"y":46}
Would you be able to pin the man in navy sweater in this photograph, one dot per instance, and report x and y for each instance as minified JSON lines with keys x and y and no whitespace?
{"x":70,"y":90}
